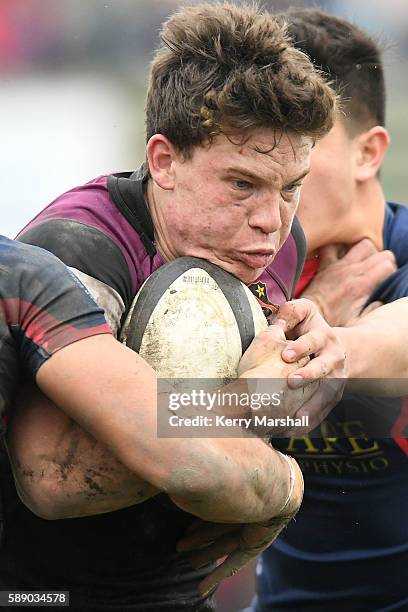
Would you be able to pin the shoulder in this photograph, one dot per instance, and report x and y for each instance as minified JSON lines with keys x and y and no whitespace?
{"x":396,"y":230}
{"x":84,"y":228}
{"x":18,"y":260}
{"x":43,"y":304}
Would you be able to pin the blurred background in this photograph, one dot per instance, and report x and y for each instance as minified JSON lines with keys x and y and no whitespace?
{"x":72,"y":86}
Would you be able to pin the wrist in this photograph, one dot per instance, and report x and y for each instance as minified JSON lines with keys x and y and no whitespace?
{"x":294,"y":495}
{"x":295,"y":487}
{"x":351,"y":342}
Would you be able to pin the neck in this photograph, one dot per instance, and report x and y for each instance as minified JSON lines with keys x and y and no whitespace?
{"x":364,"y":219}
{"x":153,"y":198}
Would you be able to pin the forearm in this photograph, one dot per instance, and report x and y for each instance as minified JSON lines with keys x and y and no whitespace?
{"x":239,"y":479}
{"x":250,"y":481}
{"x":376,"y":350}
{"x":62,"y":472}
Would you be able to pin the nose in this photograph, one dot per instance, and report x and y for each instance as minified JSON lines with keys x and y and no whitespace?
{"x":265,"y":214}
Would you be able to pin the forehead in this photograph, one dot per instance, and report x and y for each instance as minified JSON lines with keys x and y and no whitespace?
{"x":265,"y":153}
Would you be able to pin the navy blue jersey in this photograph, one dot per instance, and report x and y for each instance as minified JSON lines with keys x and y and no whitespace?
{"x":348,"y":548}
{"x":43,"y":307}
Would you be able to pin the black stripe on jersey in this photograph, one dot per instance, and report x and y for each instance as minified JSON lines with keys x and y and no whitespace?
{"x":85,"y":248}
{"x":301,"y":247}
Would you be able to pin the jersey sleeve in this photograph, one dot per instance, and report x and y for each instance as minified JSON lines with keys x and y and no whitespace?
{"x":43,"y":304}
{"x":9,"y":372}
{"x":93,"y":257}
{"x":85,"y":230}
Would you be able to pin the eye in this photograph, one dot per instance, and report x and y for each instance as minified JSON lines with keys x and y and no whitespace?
{"x":241,"y":184}
{"x":292,"y":189}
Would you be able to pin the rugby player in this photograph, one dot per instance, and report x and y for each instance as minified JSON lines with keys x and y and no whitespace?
{"x":52,"y":330}
{"x":349,"y":546}
{"x":232,"y":114}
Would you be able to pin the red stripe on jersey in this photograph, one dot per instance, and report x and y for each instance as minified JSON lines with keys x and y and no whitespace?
{"x":399,"y":430}
{"x":43,"y":329}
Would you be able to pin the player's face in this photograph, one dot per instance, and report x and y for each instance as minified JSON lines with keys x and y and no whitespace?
{"x":328,"y":209}
{"x":233,"y":204}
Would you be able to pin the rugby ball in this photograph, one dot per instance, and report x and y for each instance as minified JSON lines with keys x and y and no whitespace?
{"x":191,"y":319}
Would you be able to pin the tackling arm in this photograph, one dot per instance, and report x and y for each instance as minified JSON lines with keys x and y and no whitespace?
{"x":111,"y":392}
{"x":61,"y":471}
{"x":376,"y":349}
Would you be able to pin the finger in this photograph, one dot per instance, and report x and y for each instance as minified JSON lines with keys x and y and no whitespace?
{"x":221,"y":548}
{"x":320,"y":405}
{"x":380,"y":256}
{"x":294,"y":312}
{"x":273,"y":332}
{"x":360,"y":251}
{"x":301,"y":362}
{"x":330,"y":254}
{"x":377,"y":269}
{"x":318,"y":368}
{"x":310,"y":343}
{"x":265,"y":337}
{"x":232,"y":564}
{"x":203,"y":537}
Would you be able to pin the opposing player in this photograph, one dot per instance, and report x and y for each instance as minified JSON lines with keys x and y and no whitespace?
{"x":349,"y":546}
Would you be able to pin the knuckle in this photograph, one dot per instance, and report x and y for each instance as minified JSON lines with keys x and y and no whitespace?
{"x":390,"y":266}
{"x":273,"y":332}
{"x":318,"y":340}
{"x":368,"y":245}
{"x":307,"y":303}
{"x":390,"y":255}
{"x":324,"y":336}
{"x":324,"y":368}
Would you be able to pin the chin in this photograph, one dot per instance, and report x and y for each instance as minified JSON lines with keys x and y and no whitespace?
{"x":248,"y":277}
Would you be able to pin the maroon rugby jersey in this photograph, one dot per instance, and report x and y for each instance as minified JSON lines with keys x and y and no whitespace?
{"x":123,"y":560}
{"x":103,"y":230}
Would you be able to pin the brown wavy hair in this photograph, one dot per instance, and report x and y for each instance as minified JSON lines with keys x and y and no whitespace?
{"x":349,"y":57}
{"x":228,"y":69}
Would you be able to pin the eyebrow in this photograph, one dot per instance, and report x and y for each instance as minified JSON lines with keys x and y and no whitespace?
{"x":299,"y":178}
{"x":256,"y":177}
{"x":244,"y":172}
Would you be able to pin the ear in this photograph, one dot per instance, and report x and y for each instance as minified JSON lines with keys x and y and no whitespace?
{"x":161,"y":155}
{"x":371,"y":148}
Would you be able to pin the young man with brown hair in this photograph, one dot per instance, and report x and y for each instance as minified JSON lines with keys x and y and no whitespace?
{"x":348,"y":549}
{"x":233,"y":112}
